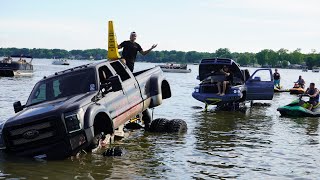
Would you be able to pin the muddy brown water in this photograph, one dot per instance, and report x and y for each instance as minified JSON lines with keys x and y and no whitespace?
{"x":255,"y":143}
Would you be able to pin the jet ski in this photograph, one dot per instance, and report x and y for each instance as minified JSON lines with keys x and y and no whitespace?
{"x":297,"y":89}
{"x":299,"y":108}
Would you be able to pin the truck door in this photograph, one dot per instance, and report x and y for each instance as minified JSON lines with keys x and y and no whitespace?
{"x":130,"y":86}
{"x":116,"y":101}
{"x":260,"y":85}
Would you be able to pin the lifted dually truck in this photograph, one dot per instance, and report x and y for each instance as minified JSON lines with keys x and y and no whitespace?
{"x":66,"y":111}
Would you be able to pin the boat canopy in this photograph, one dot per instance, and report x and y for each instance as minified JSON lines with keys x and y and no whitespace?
{"x":22,"y":56}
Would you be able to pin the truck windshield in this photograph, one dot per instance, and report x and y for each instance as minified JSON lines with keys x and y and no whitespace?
{"x":65,"y":85}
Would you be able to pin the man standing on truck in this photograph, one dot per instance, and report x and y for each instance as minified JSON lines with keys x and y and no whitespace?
{"x":130,"y":49}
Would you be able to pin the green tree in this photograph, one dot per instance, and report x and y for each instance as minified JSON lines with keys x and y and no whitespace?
{"x":223,"y":53}
{"x":296,"y":57}
{"x":244,"y":59}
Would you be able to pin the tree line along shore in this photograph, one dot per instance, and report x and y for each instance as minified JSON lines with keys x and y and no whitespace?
{"x":282,"y":58}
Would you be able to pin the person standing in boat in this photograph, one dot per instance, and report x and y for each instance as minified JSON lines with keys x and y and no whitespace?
{"x":313,"y":93}
{"x":276,"y":78}
{"x":130,"y":50}
{"x":301,"y":82}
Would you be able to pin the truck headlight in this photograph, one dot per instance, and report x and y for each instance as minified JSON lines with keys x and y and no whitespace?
{"x":72,"y":120}
{"x":196,"y":90}
{"x":236,"y":91}
{"x":2,"y":144}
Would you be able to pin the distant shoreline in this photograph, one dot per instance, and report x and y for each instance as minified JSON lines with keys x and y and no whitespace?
{"x":281,"y":58}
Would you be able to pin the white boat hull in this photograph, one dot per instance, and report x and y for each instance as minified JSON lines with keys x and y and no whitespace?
{"x":60,"y":63}
{"x":23,"y":73}
{"x":176,"y":70}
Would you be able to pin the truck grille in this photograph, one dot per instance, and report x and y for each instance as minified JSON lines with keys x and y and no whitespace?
{"x":209,"y":88}
{"x":33,"y":135}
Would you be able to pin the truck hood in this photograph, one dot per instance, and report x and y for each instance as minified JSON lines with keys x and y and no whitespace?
{"x":207,"y":67}
{"x":53,"y":108}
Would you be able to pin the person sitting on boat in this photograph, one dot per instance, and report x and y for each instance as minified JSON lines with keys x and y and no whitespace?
{"x":301,"y":82}
{"x":276,"y":78}
{"x":313,"y":93}
{"x":228,"y":80}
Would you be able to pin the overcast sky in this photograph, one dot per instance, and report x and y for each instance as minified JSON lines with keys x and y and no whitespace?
{"x":200,"y":25}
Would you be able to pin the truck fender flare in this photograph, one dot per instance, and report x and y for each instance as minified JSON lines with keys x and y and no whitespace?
{"x":155,"y":91}
{"x":94,"y":111}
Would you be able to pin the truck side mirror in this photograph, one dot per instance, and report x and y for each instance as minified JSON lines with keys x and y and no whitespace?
{"x":116,"y":83}
{"x":256,"y":79}
{"x":17,"y":106}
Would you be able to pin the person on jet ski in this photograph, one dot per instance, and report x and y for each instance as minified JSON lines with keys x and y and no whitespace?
{"x":301,"y":82}
{"x":276,"y":78}
{"x":313,"y":93}
{"x":228,"y":80}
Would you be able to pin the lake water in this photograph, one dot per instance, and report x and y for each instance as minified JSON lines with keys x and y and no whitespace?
{"x":255,"y":144}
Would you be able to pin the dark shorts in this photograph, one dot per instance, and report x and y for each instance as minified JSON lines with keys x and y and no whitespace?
{"x":130,"y":65}
{"x":313,"y":102}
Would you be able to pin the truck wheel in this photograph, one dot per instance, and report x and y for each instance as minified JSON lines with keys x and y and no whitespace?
{"x":176,"y":126}
{"x":114,"y":151}
{"x":146,"y":118}
{"x":158,"y":125}
{"x":95,"y":142}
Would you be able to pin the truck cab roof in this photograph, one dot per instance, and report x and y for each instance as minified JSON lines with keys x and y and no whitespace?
{"x":78,"y":68}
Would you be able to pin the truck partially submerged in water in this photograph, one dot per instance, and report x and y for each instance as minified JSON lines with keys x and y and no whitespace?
{"x":245,"y":87}
{"x":66,"y":111}
{"x":73,"y":109}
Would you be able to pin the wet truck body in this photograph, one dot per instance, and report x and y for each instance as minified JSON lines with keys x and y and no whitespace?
{"x":245,"y":87}
{"x":65,"y":111}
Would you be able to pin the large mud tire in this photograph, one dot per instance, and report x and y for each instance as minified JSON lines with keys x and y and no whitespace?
{"x":114,"y":151}
{"x":146,"y":118}
{"x":176,"y":126}
{"x":158,"y":125}
{"x":95,"y":142}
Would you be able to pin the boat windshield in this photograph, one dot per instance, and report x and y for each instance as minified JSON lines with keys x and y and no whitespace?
{"x":61,"y":86}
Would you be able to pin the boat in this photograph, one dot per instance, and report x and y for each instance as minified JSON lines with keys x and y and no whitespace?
{"x":315,"y":69}
{"x":280,"y":89}
{"x":60,"y":62}
{"x":175,"y":68}
{"x":297,"y":89}
{"x":16,"y":66}
{"x":299,"y":108}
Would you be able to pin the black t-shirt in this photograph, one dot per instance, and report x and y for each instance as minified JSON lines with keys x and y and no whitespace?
{"x":230,"y":78}
{"x":276,"y":76}
{"x":130,"y":50}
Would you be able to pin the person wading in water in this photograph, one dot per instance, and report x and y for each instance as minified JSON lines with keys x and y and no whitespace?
{"x":276,"y":79}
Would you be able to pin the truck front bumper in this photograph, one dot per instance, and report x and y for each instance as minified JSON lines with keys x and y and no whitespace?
{"x":68,"y":146}
{"x":210,"y":98}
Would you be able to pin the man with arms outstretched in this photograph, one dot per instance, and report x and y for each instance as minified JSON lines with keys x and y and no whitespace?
{"x":130,"y":50}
